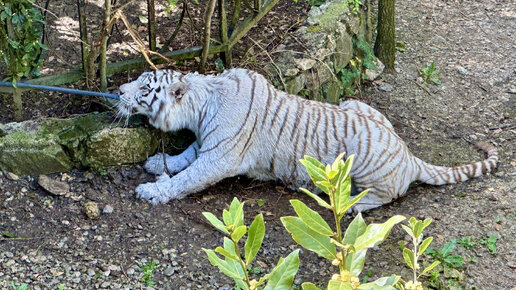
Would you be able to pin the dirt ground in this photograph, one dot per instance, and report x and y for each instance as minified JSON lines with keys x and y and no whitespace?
{"x":473,"y":45}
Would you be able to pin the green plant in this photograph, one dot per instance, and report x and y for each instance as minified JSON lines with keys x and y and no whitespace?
{"x":148,"y":275}
{"x":411,"y":256}
{"x":348,"y":249}
{"x":21,"y":287}
{"x":233,"y":264}
{"x":449,"y":266}
{"x":490,"y":243}
{"x":444,"y":255}
{"x":352,"y":75}
{"x":353,"y":4}
{"x":430,"y":75}
{"x":466,"y":242}
{"x":21,"y":27}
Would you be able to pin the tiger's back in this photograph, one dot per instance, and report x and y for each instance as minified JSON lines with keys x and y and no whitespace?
{"x":248,"y":127}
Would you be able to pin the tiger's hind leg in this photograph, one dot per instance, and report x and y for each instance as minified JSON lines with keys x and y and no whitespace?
{"x":175,"y":164}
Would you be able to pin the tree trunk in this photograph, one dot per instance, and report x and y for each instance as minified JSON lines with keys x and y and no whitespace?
{"x":385,"y":45}
{"x":226,"y":55}
{"x":152,"y":24}
{"x":103,"y":48}
{"x":207,"y":34}
{"x":83,"y":29}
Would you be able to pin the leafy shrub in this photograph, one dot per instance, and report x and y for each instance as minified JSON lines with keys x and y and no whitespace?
{"x":346,"y":250}
{"x":21,"y":25}
{"x":233,"y":265}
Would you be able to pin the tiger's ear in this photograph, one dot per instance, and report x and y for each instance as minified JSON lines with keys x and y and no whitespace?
{"x":178,"y":90}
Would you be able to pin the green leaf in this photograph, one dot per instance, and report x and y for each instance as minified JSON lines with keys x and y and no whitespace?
{"x":342,"y":193}
{"x":282,"y":276}
{"x":7,"y":234}
{"x":237,"y":212}
{"x":418,"y":229}
{"x":408,"y":230}
{"x":143,"y":19}
{"x":424,"y":245}
{"x":357,"y":261}
{"x":314,"y":162}
{"x":376,"y":233}
{"x":319,"y":200}
{"x":353,"y":201}
{"x":316,"y":173}
{"x":336,"y":164}
{"x":226,"y":253}
{"x":384,"y":283}
{"x":455,"y":261}
{"x":309,"y":286}
{"x":346,"y":167}
{"x":254,"y":239}
{"x":238,"y":233}
{"x":448,"y":247}
{"x":226,"y":217}
{"x":429,"y":268}
{"x":308,"y":238}
{"x":215,"y":222}
{"x":311,"y":218}
{"x":356,"y":228}
{"x":223,"y":266}
{"x":408,"y":256}
{"x":339,"y":285}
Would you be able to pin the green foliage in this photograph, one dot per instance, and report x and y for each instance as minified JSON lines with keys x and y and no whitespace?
{"x":411,"y":256}
{"x":466,"y":242}
{"x":315,"y":2}
{"x":490,"y":243}
{"x":21,"y":287}
{"x":430,"y":75}
{"x":21,"y":25}
{"x":354,"y":5}
{"x":352,"y":75}
{"x":444,"y":255}
{"x":232,"y":264}
{"x":148,"y":275}
{"x":348,"y":249}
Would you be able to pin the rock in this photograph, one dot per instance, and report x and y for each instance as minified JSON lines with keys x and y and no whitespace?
{"x":304,"y":63}
{"x":107,"y":209}
{"x":371,"y":75}
{"x":116,"y":146}
{"x":53,"y":186}
{"x":56,"y":145}
{"x":91,"y":209}
{"x":386,"y":87}
{"x":12,"y":176}
{"x":327,"y":37}
{"x":28,"y":148}
{"x":169,"y":271}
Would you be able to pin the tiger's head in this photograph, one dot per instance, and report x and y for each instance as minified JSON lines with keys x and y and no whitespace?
{"x":151,"y":90}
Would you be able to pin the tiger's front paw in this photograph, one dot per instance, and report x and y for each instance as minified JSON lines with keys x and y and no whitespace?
{"x":155,"y":164}
{"x":160,"y":191}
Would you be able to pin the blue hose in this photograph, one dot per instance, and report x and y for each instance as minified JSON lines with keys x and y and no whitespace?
{"x":59,"y":89}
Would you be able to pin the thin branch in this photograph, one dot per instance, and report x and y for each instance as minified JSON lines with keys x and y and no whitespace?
{"x":176,"y":30}
{"x":207,"y":32}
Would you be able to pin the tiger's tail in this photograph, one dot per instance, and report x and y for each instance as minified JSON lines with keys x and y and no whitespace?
{"x":438,"y":175}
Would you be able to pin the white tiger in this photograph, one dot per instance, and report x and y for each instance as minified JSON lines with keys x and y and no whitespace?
{"x":244,"y":126}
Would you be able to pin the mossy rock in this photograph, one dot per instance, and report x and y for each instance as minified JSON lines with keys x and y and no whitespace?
{"x":117,"y":146}
{"x":57,"y":145}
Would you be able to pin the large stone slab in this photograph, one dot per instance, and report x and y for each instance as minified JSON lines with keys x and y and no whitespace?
{"x":55,"y":145}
